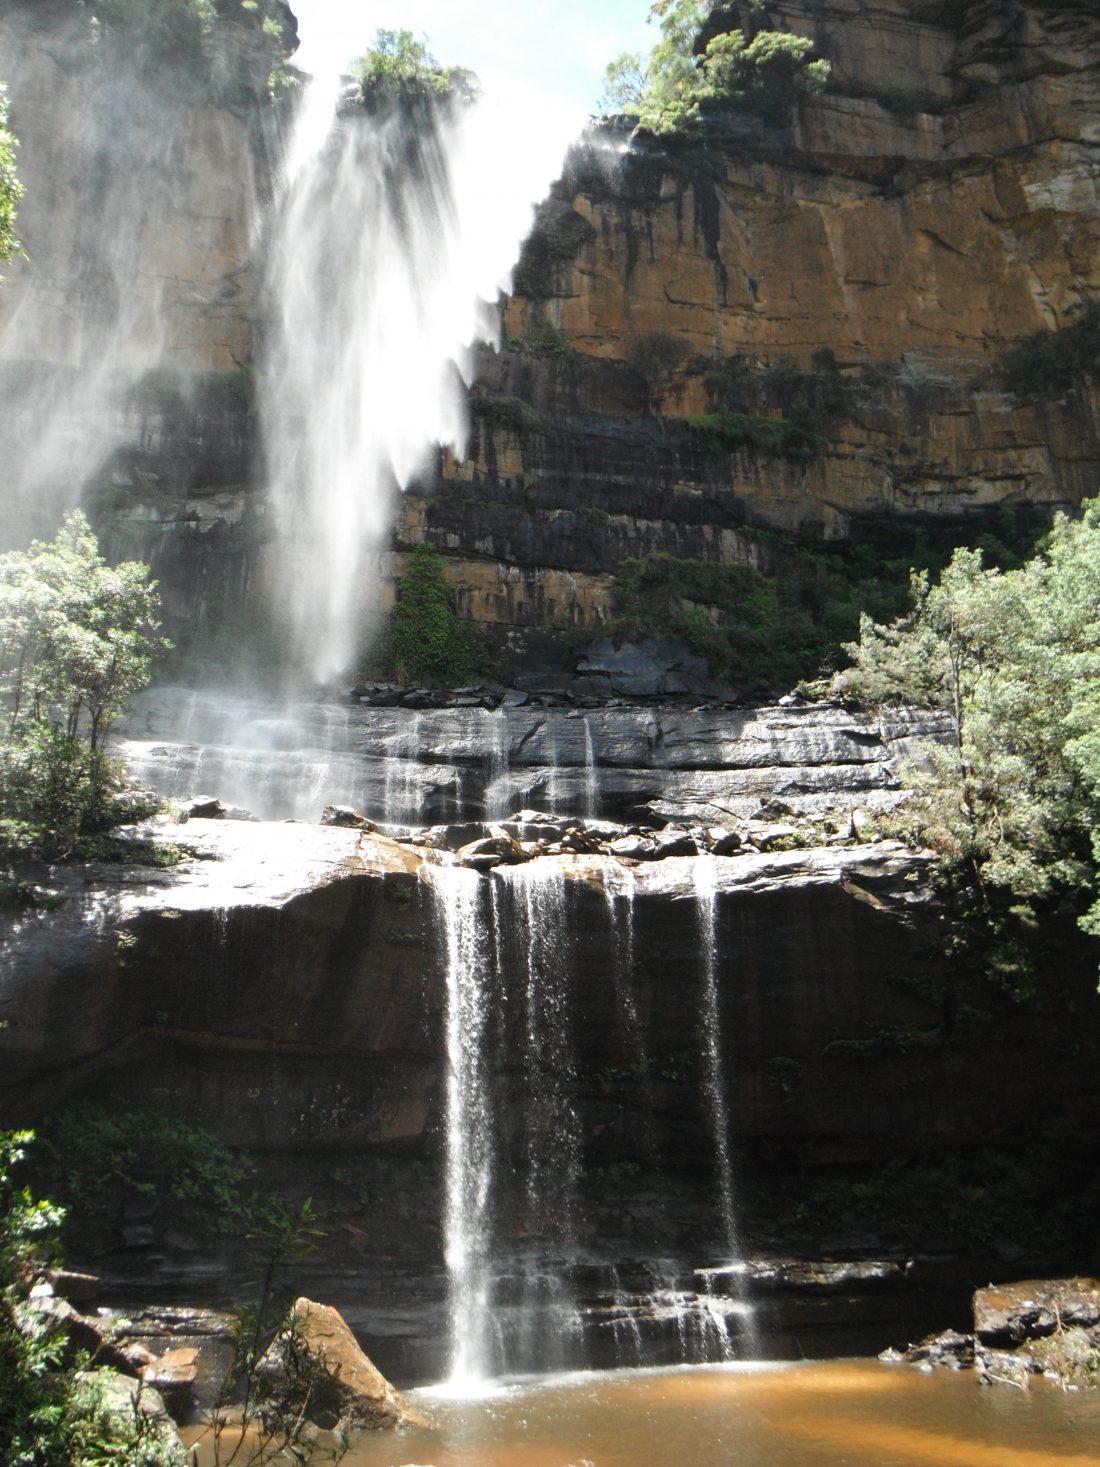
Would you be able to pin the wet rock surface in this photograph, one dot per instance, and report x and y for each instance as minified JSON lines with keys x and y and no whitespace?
{"x":1048,"y":1327}
{"x":649,"y":763}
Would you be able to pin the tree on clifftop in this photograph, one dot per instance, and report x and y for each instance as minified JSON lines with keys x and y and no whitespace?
{"x":750,"y":66}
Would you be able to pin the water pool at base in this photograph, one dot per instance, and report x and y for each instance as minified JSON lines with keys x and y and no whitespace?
{"x":855,"y":1413}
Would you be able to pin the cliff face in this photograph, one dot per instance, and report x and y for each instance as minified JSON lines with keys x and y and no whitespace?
{"x":288,"y":989}
{"x":863,"y":270}
{"x":126,"y":328}
{"x":751,"y":330}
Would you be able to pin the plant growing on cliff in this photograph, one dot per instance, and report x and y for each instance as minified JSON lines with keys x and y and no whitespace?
{"x":750,"y":67}
{"x":11,"y":190}
{"x":430,"y":644}
{"x":1013,"y":805}
{"x":77,"y":638}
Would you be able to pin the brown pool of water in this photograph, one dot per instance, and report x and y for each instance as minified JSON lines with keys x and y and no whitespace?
{"x":837,"y":1414}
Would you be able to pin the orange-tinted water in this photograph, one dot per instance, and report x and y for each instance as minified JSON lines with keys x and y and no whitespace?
{"x":848,"y":1414}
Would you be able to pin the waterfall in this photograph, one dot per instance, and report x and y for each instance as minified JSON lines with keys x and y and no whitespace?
{"x":393,"y":234}
{"x":591,"y":775}
{"x":470,"y":1145}
{"x":714,"y":1072}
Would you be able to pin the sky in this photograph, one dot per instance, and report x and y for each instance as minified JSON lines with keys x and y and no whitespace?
{"x":555,"y":46}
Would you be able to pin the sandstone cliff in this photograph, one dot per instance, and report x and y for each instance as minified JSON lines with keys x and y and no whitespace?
{"x":731,"y":347}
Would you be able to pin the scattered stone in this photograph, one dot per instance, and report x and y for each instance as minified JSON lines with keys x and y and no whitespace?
{"x":674,"y":843}
{"x":515,"y":698}
{"x":454,"y":837}
{"x":579,"y":842}
{"x":634,"y":848}
{"x":491,"y":850}
{"x":763,"y":837}
{"x":723,"y":842}
{"x":346,"y":816}
{"x":605,"y":831}
{"x":76,"y":1288}
{"x":530,"y":825}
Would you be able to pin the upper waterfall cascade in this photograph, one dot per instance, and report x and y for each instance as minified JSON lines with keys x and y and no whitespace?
{"x":393,"y":233}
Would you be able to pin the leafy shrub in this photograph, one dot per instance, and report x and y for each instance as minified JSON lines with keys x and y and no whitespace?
{"x":93,"y":1157}
{"x":399,"y":66}
{"x":430,"y":644}
{"x":77,"y":637}
{"x":500,"y":411}
{"x":655,"y":355}
{"x":1013,"y":806}
{"x":750,"y":67}
{"x":792,"y":438}
{"x":1051,"y":363}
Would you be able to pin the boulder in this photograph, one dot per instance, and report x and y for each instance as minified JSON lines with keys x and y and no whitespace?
{"x":174,"y":1374}
{"x":345,"y":1390}
{"x":346,"y":816}
{"x":674,"y":843}
{"x":723,"y":842}
{"x":498,"y":848}
{"x":204,"y":807}
{"x":634,"y":848}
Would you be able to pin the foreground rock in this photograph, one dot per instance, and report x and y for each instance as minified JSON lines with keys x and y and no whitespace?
{"x":318,"y":1368}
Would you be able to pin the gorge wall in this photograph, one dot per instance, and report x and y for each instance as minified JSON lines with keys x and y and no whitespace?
{"x":728,"y":347}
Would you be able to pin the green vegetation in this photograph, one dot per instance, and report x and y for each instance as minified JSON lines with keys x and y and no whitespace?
{"x":77,"y":638}
{"x":94,"y":1159}
{"x":398,"y":66}
{"x":689,"y":72}
{"x":764,"y":630}
{"x":1013,"y":806}
{"x":429,"y":643}
{"x":970,"y":1200}
{"x":544,"y":339}
{"x":54,"y":1411}
{"x":775,"y":437}
{"x":59,"y":1408}
{"x":1051,"y":363}
{"x":500,"y":411}
{"x":11,"y":190}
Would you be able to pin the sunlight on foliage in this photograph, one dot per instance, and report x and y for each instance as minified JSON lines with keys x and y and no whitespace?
{"x":1013,"y":807}
{"x":751,"y":67}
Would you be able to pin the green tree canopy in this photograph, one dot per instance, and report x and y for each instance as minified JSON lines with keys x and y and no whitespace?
{"x":77,"y":638}
{"x":398,"y":63}
{"x":750,"y":67}
{"x":1014,"y":657}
